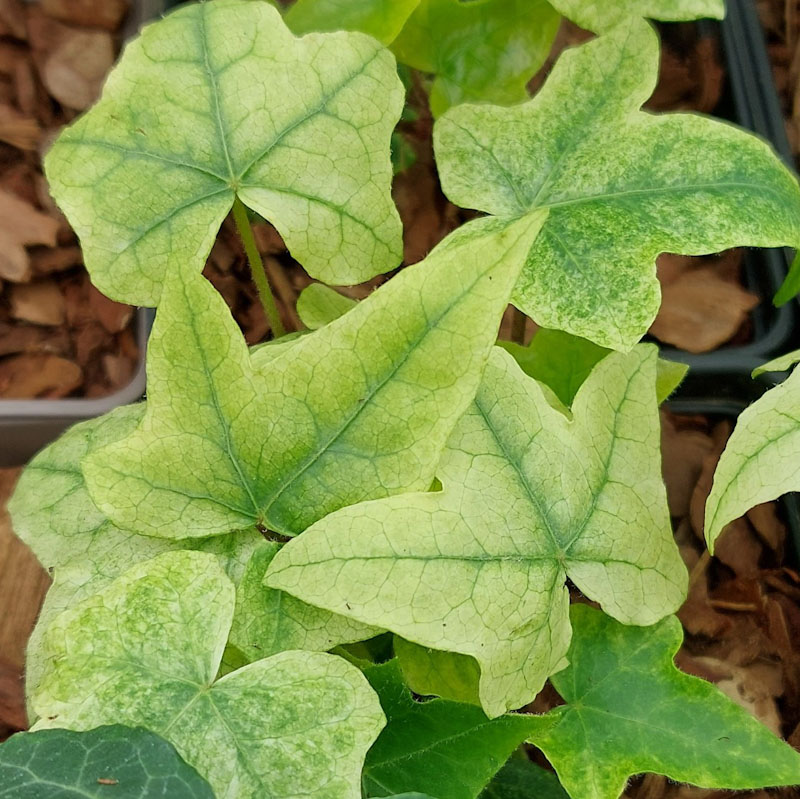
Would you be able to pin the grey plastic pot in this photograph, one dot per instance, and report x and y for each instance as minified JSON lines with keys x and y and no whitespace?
{"x":28,"y":425}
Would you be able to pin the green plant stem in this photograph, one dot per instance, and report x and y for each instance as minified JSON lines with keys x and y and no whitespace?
{"x":257,"y":269}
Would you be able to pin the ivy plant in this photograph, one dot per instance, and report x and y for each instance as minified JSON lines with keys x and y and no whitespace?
{"x":341,"y":564}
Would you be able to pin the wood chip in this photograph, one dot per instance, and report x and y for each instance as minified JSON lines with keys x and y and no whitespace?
{"x":738,"y":548}
{"x":16,"y":338}
{"x":14,"y":263}
{"x":45,"y":376}
{"x":25,"y":223}
{"x":106,"y":14}
{"x":38,"y":303}
{"x":74,"y":73}
{"x":46,"y":261}
{"x":700,"y":311}
{"x":113,"y":316}
{"x":683,"y":453}
{"x":12,"y":18}
{"x":767,"y":524}
{"x":17,"y":129}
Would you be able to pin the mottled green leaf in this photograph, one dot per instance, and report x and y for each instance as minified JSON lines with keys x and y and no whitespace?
{"x":781,"y":364}
{"x":219,"y":100}
{"x":319,"y":305}
{"x":530,"y":498}
{"x":431,"y":672}
{"x":145,"y":652}
{"x":761,"y":460}
{"x":630,"y":710}
{"x":108,"y":761}
{"x":521,"y":779}
{"x":447,"y":749}
{"x":357,"y":410}
{"x":601,"y":15}
{"x":54,"y":515}
{"x":268,"y":621}
{"x":622,"y":186}
{"x":479,"y":51}
{"x":383,"y":19}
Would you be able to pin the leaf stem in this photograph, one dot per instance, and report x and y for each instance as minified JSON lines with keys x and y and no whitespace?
{"x":257,"y":269}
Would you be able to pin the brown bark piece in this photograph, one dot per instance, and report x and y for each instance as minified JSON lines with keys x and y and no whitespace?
{"x":15,"y":339}
{"x":38,"y":303}
{"x":14,"y":263}
{"x":768,"y":525}
{"x":700,"y":311}
{"x":12,"y":18}
{"x":74,"y":73}
{"x":44,"y":376}
{"x":106,"y":14}
{"x":23,"y":582}
{"x":12,"y":700}
{"x":738,"y":548}
{"x":683,"y":453}
{"x":25,"y":223}
{"x":47,"y":261}
{"x":113,"y":316}
{"x":18,"y":130}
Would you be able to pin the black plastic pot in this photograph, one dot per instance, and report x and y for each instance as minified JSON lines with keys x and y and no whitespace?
{"x":725,"y":396}
{"x":28,"y":425}
{"x":750,"y":100}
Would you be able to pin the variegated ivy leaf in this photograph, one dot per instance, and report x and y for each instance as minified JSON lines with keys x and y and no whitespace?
{"x":622,"y":186}
{"x":54,"y":515}
{"x":84,"y":551}
{"x":782,"y":363}
{"x":601,"y":15}
{"x":479,"y":52}
{"x":358,"y":410}
{"x":220,"y":100}
{"x":761,"y":460}
{"x":268,"y":621}
{"x":383,"y":19}
{"x":145,"y":652}
{"x":530,"y":498}
{"x":319,"y":305}
{"x":630,"y":710}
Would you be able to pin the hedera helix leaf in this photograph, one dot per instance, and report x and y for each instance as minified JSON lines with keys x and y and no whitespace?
{"x":622,"y":186}
{"x":319,"y":305}
{"x":448,"y":749}
{"x":383,"y":19}
{"x":630,"y":710}
{"x":358,"y":410}
{"x":483,"y":51}
{"x":61,"y":764}
{"x":782,"y":363}
{"x":219,"y":100}
{"x":431,"y":672}
{"x":268,"y":621}
{"x":600,"y":15}
{"x":84,"y":551}
{"x":145,"y":652}
{"x":530,"y":498}
{"x":761,"y":460}
{"x":54,"y":515}
{"x":563,"y":362}
{"x":521,"y":779}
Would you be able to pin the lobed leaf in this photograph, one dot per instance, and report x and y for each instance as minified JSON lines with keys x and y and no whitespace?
{"x":73,"y":539}
{"x":145,"y":652}
{"x":630,"y":710}
{"x":447,"y":749}
{"x":621,"y":185}
{"x":530,"y":498}
{"x":383,"y":19}
{"x":357,"y":410}
{"x":479,"y":52}
{"x":61,"y":764}
{"x":431,"y":672}
{"x":522,"y":779}
{"x":298,"y":129}
{"x":268,"y":621}
{"x":761,"y":460}
{"x":598,"y":16}
{"x":319,"y":305}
